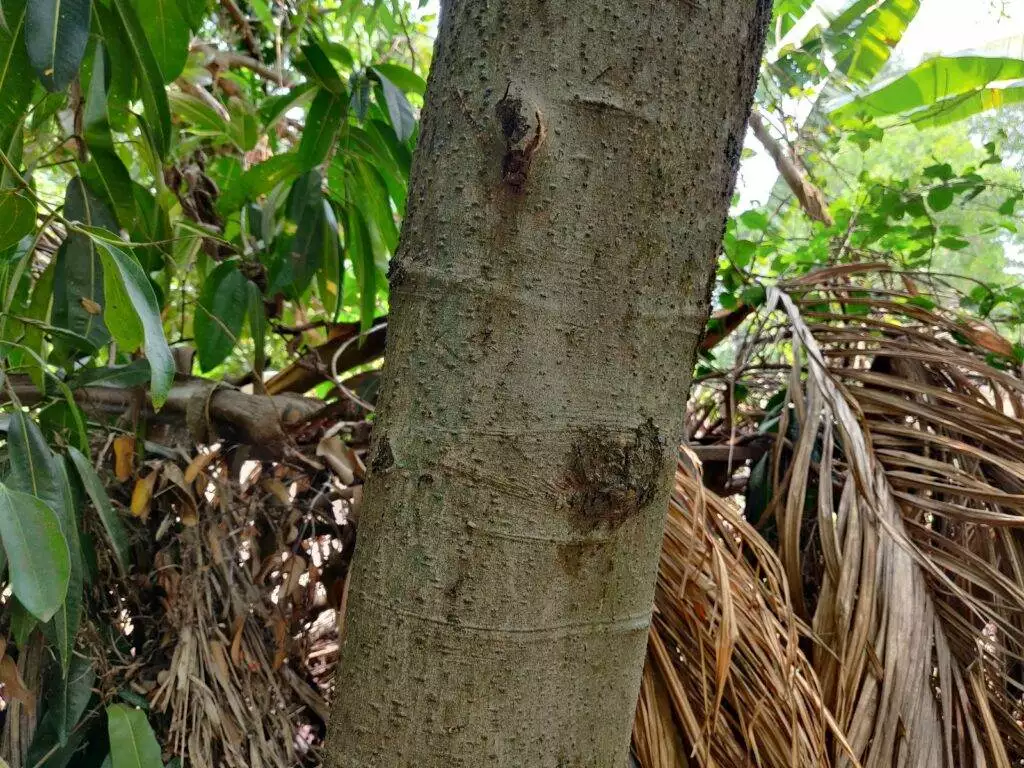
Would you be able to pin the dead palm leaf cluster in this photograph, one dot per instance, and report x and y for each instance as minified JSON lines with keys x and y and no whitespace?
{"x":890,"y":488}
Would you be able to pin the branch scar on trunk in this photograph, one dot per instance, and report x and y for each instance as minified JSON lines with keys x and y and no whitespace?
{"x":515,"y":164}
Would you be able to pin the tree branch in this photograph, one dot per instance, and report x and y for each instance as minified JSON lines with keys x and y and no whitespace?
{"x":231,"y":60}
{"x":809,"y":196}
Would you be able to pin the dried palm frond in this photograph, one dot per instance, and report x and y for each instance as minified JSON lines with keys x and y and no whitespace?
{"x":897,"y":494}
{"x":725,"y":683}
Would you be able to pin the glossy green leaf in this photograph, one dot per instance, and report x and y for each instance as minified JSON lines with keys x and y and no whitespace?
{"x":360,"y":253}
{"x":168,"y":33}
{"x":66,"y":706}
{"x":16,"y":81}
{"x":326,"y":114}
{"x":35,"y":470}
{"x":131,"y":303}
{"x":305,"y":223}
{"x":56,"y":33}
{"x":106,"y":172}
{"x":121,"y":85}
{"x":405,"y":78}
{"x":316,"y":64}
{"x":399,"y":109}
{"x":37,"y":553}
{"x":132,"y":741}
{"x":97,"y":493}
{"x":62,"y":629}
{"x":220,"y":314}
{"x":32,"y":463}
{"x":151,"y":84}
{"x":17,"y":216}
{"x":133,"y":374}
{"x":78,"y":288}
{"x":257,"y":316}
{"x":204,"y":118}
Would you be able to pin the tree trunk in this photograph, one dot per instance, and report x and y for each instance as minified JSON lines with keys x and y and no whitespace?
{"x":566,"y":208}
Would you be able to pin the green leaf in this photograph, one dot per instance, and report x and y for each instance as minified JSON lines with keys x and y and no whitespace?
{"x":78,"y":288}
{"x":106,"y":172}
{"x":305,"y":248}
{"x":954,"y":243}
{"x":257,"y":315}
{"x":16,"y":81}
{"x":56,"y":32}
{"x":360,"y":253}
{"x":62,"y":629}
{"x":66,"y":708}
{"x":40,"y":565}
{"x":404,"y":78}
{"x":151,"y":84}
{"x":133,"y":374}
{"x":17,"y":216}
{"x":326,"y":114}
{"x":940,"y":198}
{"x":97,"y":494}
{"x":168,"y":33}
{"x":927,"y":89}
{"x":220,"y":314}
{"x":132,"y":741}
{"x":399,"y":109}
{"x":121,"y":88}
{"x":316,"y":64}
{"x":123,"y":279}
{"x":36,"y":471}
{"x":873,"y":37}
{"x":197,"y":112}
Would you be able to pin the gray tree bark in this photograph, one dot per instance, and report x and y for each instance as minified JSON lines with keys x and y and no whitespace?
{"x":567,"y":203}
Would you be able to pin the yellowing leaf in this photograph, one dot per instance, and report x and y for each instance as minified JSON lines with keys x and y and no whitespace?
{"x":142,"y":495}
{"x":124,"y":456}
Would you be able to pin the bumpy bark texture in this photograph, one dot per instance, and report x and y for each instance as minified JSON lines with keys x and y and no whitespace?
{"x":567,"y":204}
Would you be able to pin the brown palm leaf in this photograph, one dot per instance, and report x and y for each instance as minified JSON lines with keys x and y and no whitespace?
{"x":725,"y":683}
{"x":908,"y":557}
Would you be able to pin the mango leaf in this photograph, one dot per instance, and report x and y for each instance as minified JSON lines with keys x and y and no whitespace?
{"x":304,"y":253}
{"x":326,"y":114}
{"x":97,"y":493}
{"x":316,"y":65}
{"x":17,"y":216}
{"x":220,"y":313}
{"x":106,"y":172}
{"x":132,"y":741}
{"x":121,"y":85}
{"x":875,"y":29}
{"x":409,"y":81}
{"x":360,"y":253}
{"x":16,"y":82}
{"x":151,"y":84}
{"x":133,"y":374}
{"x":40,"y":565}
{"x":168,"y":33}
{"x":931,"y":83}
{"x":399,"y":109}
{"x":257,"y":315}
{"x":67,"y":704}
{"x":204,"y":118}
{"x":78,"y":287}
{"x":132,"y":313}
{"x":56,"y":33}
{"x":32,"y":464}
{"x":62,"y":629}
